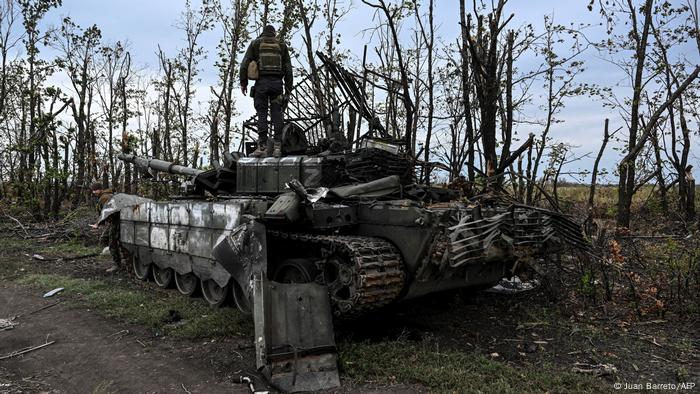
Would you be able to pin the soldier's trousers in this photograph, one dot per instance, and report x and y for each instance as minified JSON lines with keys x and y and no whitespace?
{"x":267,"y":90}
{"x":111,"y":235}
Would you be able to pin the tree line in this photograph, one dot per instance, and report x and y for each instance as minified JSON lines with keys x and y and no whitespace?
{"x":472,"y":108}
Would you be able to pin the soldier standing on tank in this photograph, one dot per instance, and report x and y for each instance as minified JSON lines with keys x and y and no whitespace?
{"x":274,"y":65}
{"x":112,"y":232}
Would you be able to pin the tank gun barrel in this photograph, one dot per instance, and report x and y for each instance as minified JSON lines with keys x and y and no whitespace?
{"x":159,"y":165}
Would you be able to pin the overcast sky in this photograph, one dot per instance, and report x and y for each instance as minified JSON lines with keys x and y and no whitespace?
{"x":147,"y":24}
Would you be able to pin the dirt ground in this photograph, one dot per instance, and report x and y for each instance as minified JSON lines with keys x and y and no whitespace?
{"x":94,"y":353}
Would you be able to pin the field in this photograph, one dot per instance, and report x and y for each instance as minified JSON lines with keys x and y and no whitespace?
{"x":564,"y":337}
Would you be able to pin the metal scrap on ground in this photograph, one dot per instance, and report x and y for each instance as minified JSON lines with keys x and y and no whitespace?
{"x":53,"y":292}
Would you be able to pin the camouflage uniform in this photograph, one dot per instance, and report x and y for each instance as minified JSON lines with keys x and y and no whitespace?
{"x":269,"y":88}
{"x":111,"y":234}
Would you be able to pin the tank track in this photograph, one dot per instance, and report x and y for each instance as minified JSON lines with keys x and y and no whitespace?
{"x":374,"y":274}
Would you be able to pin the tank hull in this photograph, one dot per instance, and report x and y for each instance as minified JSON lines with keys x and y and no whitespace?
{"x":413,"y":252}
{"x":182,"y":234}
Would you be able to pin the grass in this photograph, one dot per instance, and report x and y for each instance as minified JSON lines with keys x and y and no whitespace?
{"x":69,"y":248}
{"x":452,"y":371}
{"x":147,"y":308}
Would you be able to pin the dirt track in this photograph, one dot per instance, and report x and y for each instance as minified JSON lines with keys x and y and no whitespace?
{"x":92,"y":354}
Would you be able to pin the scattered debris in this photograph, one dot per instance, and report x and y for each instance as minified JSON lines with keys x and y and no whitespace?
{"x":26,"y":350}
{"x":53,"y":292}
{"x":494,"y":355}
{"x":531,"y":325}
{"x":642,"y":323}
{"x":7,"y":324}
{"x":120,"y":334}
{"x":249,"y":382}
{"x":37,"y":257}
{"x":530,"y":348}
{"x":173,"y":316}
{"x":105,"y":251}
{"x":38,"y":310}
{"x":661,"y":358}
{"x":513,"y":286}
{"x":595,"y":369}
{"x":80,"y":257}
{"x":185,"y":388}
{"x":19,"y":223}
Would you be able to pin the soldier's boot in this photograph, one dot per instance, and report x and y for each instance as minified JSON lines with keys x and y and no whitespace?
{"x":261,"y":151}
{"x":116,"y":267}
{"x":270,"y":148}
{"x":277,"y":151}
{"x":116,"y":258}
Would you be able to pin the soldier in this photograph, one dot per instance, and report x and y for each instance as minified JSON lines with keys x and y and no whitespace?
{"x":112,"y":232}
{"x":273,"y":65}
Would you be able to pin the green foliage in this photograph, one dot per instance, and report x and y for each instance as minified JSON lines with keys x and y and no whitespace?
{"x":587,"y":284}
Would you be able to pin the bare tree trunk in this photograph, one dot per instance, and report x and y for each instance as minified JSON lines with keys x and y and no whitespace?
{"x":660,"y":172}
{"x":429,"y":46}
{"x":690,"y":214}
{"x":466,"y":91}
{"x":626,"y":183}
{"x":594,"y":173}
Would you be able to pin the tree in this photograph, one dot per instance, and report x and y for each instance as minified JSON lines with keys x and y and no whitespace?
{"x":391,"y":15}
{"x":636,"y":37}
{"x":165,"y":88}
{"x":113,"y":61}
{"x":483,"y":48}
{"x":429,"y":41}
{"x":193,"y":23}
{"x":79,"y":49}
{"x":33,"y":11}
{"x":234,"y":23}
{"x":559,"y":73}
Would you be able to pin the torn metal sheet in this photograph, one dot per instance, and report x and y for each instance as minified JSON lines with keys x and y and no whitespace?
{"x":514,"y":285}
{"x":243,"y":253}
{"x":119,"y":201}
{"x":524,"y":228}
{"x":294,"y":343}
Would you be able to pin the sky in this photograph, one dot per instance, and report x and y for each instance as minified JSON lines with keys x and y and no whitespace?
{"x":147,"y":24}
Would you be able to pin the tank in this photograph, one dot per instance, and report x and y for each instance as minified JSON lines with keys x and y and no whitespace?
{"x":347,"y":221}
{"x":370,"y":243}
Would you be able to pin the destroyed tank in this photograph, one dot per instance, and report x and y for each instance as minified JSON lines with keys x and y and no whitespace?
{"x":347,"y":220}
{"x":371,"y":243}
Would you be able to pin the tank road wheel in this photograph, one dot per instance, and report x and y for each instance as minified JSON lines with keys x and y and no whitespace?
{"x":239,"y":298}
{"x":213,"y":293}
{"x":163,"y":276}
{"x":142,"y":270}
{"x":361,"y":273}
{"x":296,"y":271}
{"x":187,"y":284}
